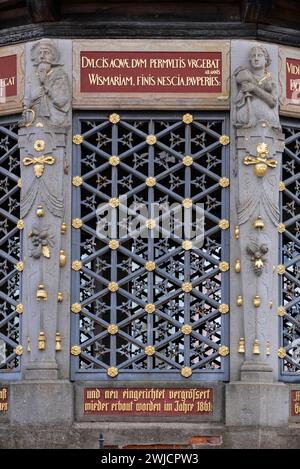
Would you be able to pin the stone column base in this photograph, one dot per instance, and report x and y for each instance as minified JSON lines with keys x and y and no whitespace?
{"x":41,"y":402}
{"x":257,"y":404}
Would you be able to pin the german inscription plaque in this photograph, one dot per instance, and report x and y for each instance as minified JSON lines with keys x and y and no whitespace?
{"x":148,"y":401}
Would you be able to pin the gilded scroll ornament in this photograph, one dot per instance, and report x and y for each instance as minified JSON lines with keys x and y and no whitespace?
{"x":39,"y":163}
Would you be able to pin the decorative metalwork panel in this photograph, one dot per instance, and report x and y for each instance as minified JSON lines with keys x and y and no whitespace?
{"x":149,"y":298}
{"x":10,"y":249}
{"x":289,"y":311}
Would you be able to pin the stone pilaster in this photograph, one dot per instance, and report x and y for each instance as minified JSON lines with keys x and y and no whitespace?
{"x":256,"y":161}
{"x":44,"y":141}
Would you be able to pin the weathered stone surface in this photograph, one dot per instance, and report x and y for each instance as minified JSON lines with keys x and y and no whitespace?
{"x":257,"y":404}
{"x":41,"y":403}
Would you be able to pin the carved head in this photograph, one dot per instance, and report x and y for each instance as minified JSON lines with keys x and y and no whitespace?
{"x":44,"y":51}
{"x":259,"y":57}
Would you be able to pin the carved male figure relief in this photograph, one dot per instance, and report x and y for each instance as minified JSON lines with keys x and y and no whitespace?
{"x":51,"y":100}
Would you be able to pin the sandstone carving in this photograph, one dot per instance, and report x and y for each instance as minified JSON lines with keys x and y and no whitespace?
{"x":257,"y":98}
{"x":49,"y":102}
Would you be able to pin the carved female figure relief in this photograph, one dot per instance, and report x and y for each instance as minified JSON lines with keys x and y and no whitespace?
{"x":256,"y":100}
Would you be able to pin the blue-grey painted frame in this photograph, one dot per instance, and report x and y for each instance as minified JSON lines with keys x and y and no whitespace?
{"x":157,"y":375}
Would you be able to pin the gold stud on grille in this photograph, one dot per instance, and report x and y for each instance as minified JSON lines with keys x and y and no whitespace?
{"x":151,"y":139}
{"x":77,"y":139}
{"x":224,"y":224}
{"x":280,"y":269}
{"x":113,"y":286}
{"x":224,"y":139}
{"x":281,"y":186}
{"x":187,"y":160}
{"x":187,"y":245}
{"x":187,"y":203}
{"x":223,"y":350}
{"x":20,"y":266}
{"x":76,"y":265}
{"x":112,"y":329}
{"x":114,"y":160}
{"x":112,"y":371}
{"x":77,"y":223}
{"x":186,"y":372}
{"x":21,"y":224}
{"x":187,"y":287}
{"x":19,"y":183}
{"x":186,"y":329}
{"x":150,"y":308}
{"x":114,"y":118}
{"x":281,"y":352}
{"x":19,"y":350}
{"x":113,"y":244}
{"x":76,"y":308}
{"x":281,"y":228}
{"x":223,"y":308}
{"x":187,"y":118}
{"x":281,"y":311}
{"x":224,"y":182}
{"x":114,"y":202}
{"x":77,"y":181}
{"x":150,"y":181}
{"x":150,"y":266}
{"x":223,"y":266}
{"x":150,"y":224}
{"x":75,"y":350}
{"x":19,"y":308}
{"x":149,"y":350}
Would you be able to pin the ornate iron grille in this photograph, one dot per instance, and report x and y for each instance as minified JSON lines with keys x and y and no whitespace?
{"x":10,"y":249}
{"x":150,"y":308}
{"x":290,"y":254}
